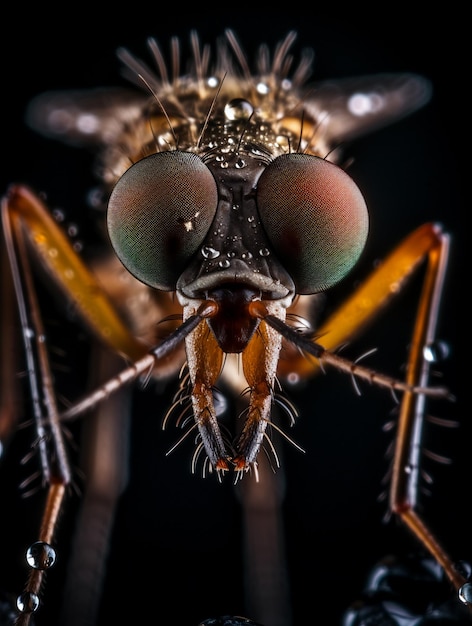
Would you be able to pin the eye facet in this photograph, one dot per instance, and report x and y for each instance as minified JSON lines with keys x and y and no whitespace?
{"x":315,"y":217}
{"x":159,"y":213}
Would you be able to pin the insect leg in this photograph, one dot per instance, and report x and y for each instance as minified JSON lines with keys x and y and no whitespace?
{"x":428,"y":244}
{"x":31,"y":233}
{"x":50,"y":440}
{"x":407,"y":458}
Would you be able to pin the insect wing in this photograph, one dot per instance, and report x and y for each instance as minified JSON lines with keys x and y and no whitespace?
{"x":352,"y":107}
{"x":85,"y":117}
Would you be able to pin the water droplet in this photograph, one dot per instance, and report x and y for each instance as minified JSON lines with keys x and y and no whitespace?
{"x":235,"y":207}
{"x":40,"y":555}
{"x":224,"y":263}
{"x":464,"y":568}
{"x":213,"y":82}
{"x":220,"y":403}
{"x":264,"y":252}
{"x":262,"y":88}
{"x":210,"y":253}
{"x":53,"y":252}
{"x":283,"y":141}
{"x":246,"y":256}
{"x":436,"y":351}
{"x":72,"y":230}
{"x":58,"y":215}
{"x":465,"y":593}
{"x":95,"y":198}
{"x":238,"y":109}
{"x":293,"y":378}
{"x":240,"y":163}
{"x":27,"y":602}
{"x":166,"y":139}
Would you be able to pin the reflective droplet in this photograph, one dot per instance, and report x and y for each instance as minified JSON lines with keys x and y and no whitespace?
{"x":465,"y":569}
{"x":166,"y":139}
{"x":282,"y":141}
{"x":220,"y":403}
{"x":224,"y":263}
{"x":436,"y":351}
{"x":27,"y":602}
{"x":210,"y":253}
{"x":58,"y":215}
{"x":40,"y":555}
{"x":212,"y":81}
{"x":246,"y":256}
{"x":72,"y":230}
{"x":264,"y":252}
{"x":238,"y":109}
{"x":240,"y":163}
{"x":293,"y":378}
{"x":465,"y":593}
{"x":262,"y":88}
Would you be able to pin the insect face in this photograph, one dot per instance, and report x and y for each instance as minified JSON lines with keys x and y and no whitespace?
{"x":229,"y":209}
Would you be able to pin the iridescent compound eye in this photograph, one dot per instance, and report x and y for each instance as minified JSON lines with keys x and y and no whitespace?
{"x":159,"y":214}
{"x":315,"y":217}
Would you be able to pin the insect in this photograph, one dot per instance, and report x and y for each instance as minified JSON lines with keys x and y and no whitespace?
{"x":227,"y":214}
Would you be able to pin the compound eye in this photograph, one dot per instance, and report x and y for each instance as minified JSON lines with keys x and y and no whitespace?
{"x":159,"y":213}
{"x":315,"y":217}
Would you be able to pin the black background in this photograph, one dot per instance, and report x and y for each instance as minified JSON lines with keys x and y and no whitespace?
{"x":177,"y":554}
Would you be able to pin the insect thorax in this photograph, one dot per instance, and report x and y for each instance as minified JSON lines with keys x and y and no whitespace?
{"x":218,"y":117}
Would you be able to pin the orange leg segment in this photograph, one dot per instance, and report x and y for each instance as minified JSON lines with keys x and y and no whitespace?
{"x":429,"y":245}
